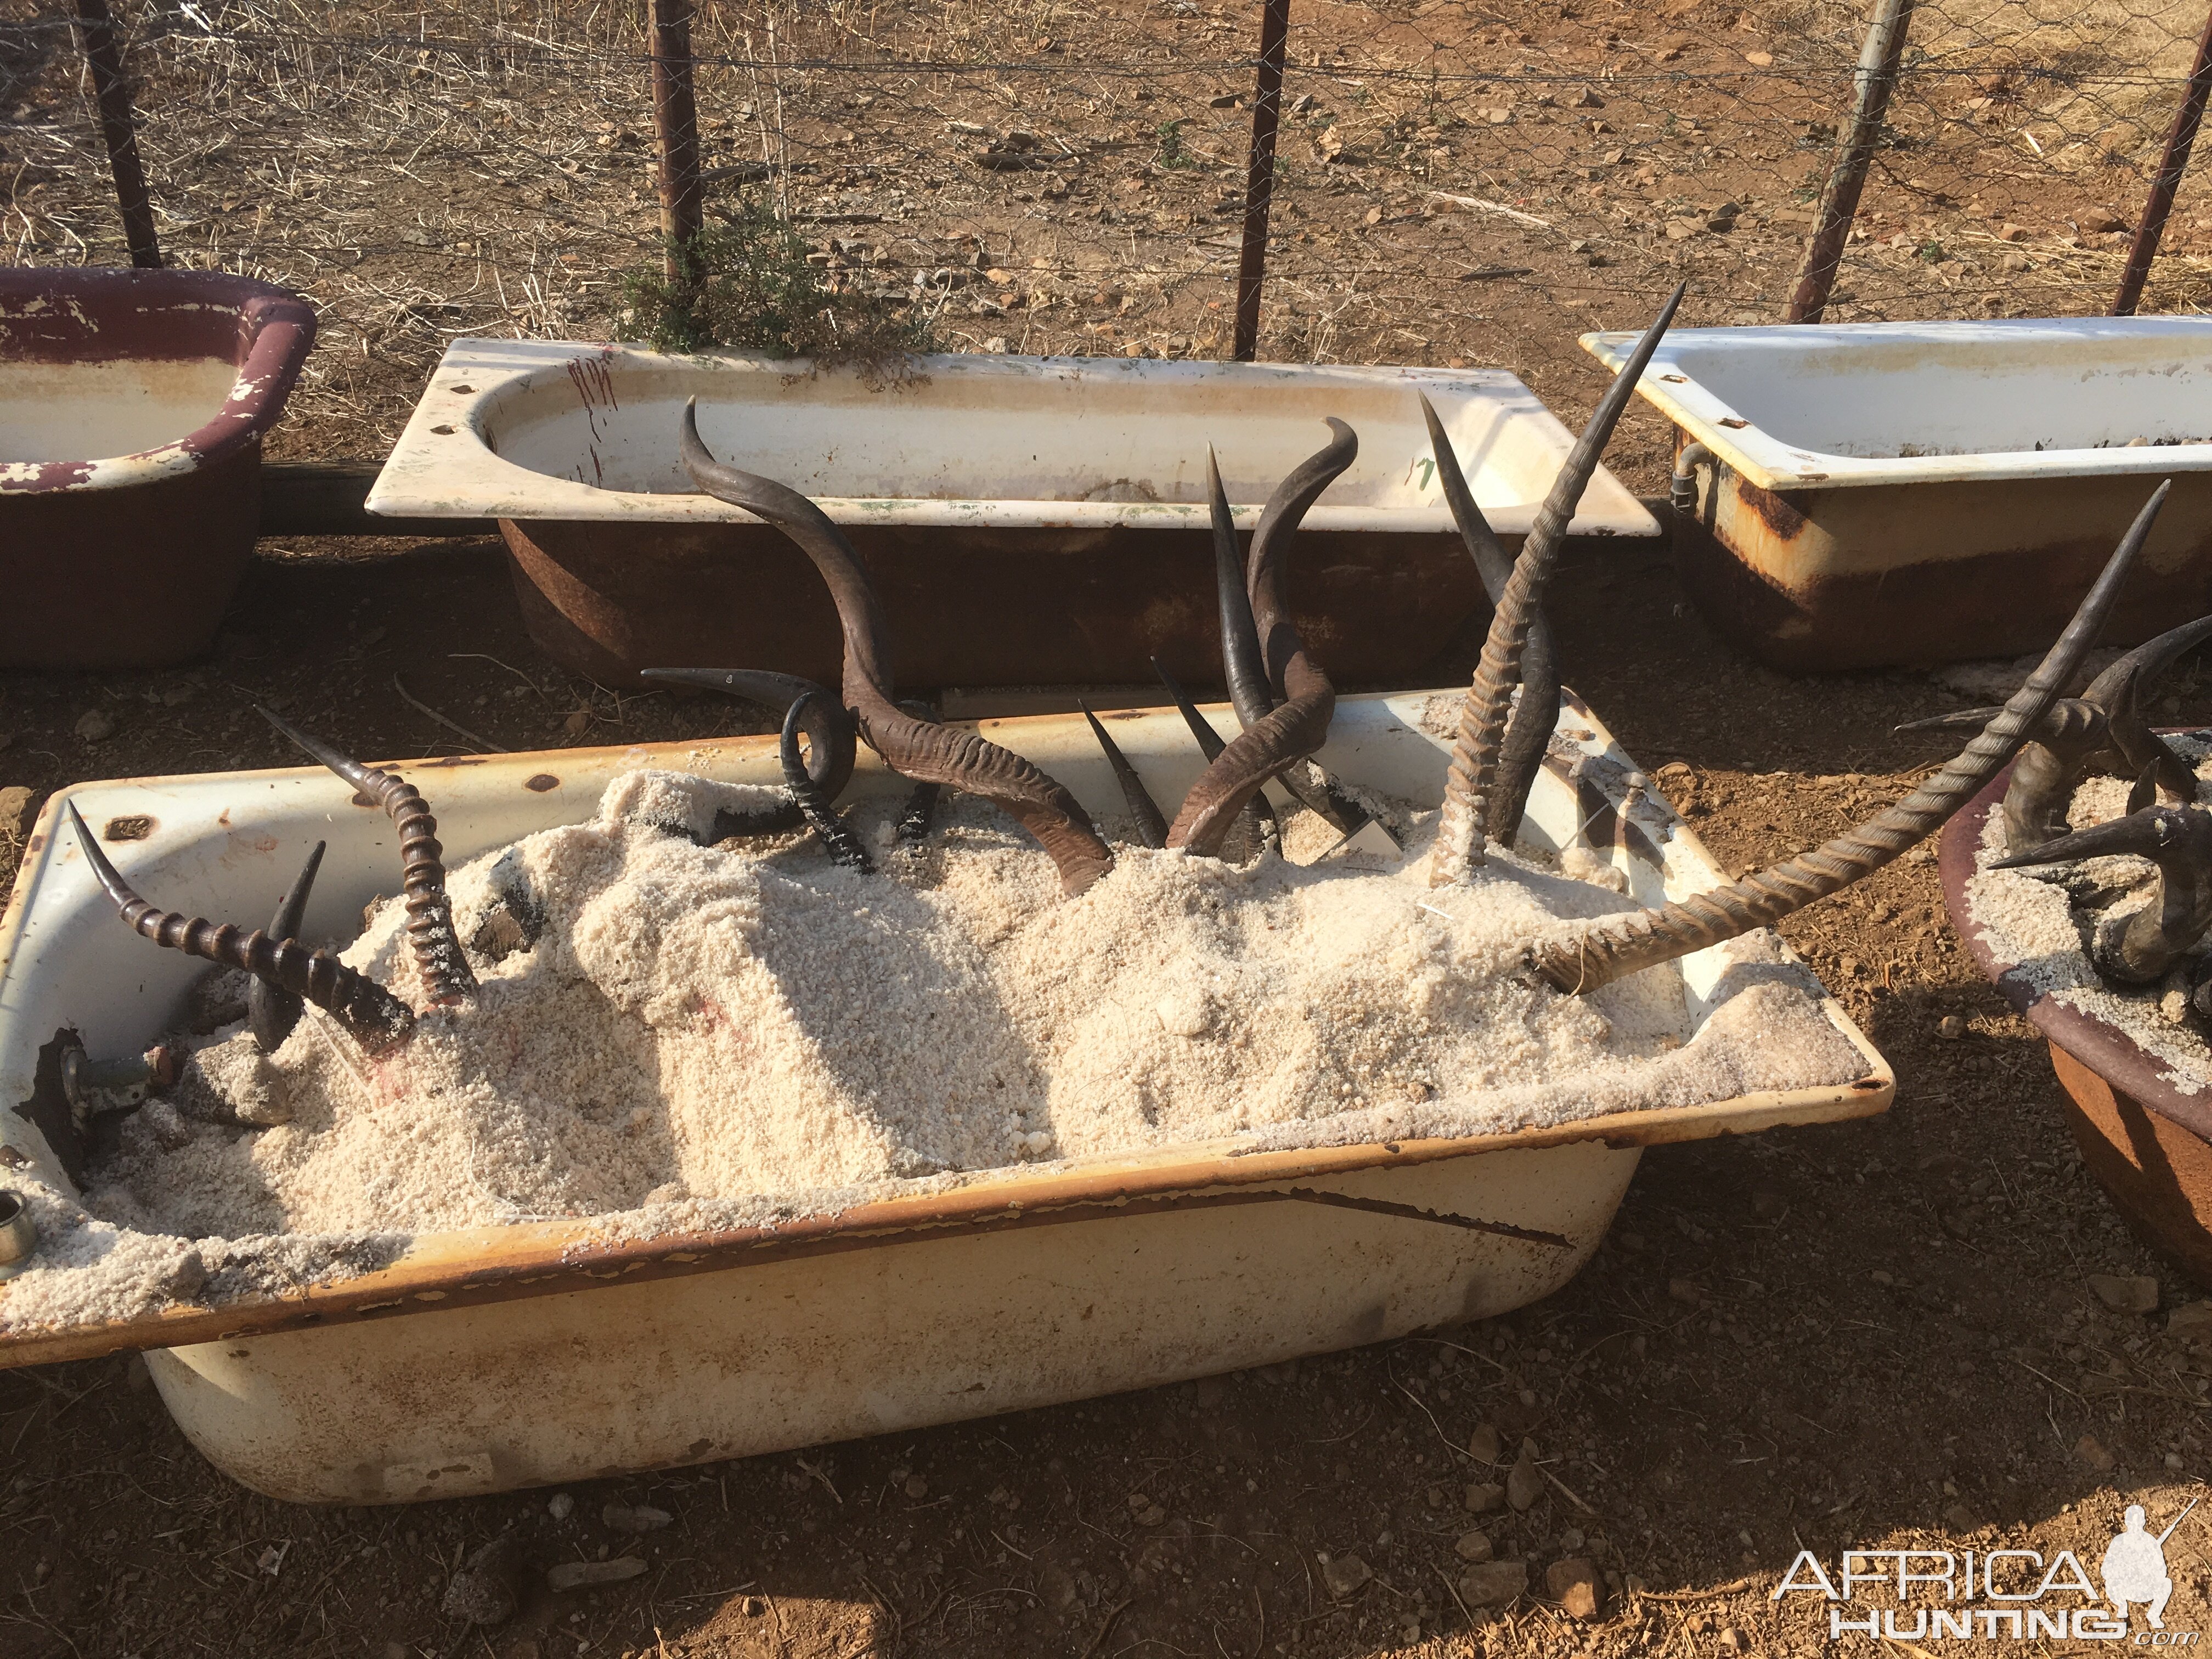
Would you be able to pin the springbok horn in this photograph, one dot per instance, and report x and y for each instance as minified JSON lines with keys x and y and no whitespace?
{"x":921,"y":750}
{"x":2117,"y":691}
{"x":1471,"y":790}
{"x":1536,"y":712}
{"x":447,"y":976}
{"x":1300,"y":724}
{"x":1246,"y":675}
{"x":376,"y":1018}
{"x":835,"y":833}
{"x":2177,"y":839}
{"x":272,"y":1011}
{"x":831,"y":736}
{"x":2044,"y":778}
{"x":1258,"y":818}
{"x":1624,"y":945}
{"x":1144,"y":814}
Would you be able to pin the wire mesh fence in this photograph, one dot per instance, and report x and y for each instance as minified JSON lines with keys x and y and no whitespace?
{"x":1456,"y":181}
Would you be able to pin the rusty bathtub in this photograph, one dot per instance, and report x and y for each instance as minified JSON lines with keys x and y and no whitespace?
{"x":1859,"y":495}
{"x":550,"y":1351}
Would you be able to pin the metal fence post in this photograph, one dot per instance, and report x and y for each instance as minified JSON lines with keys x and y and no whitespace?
{"x":676,"y":130}
{"x":1260,"y":175}
{"x":119,"y":129}
{"x":1839,"y":202}
{"x":2178,"y":140}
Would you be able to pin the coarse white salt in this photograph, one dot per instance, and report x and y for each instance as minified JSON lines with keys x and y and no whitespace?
{"x":670,"y":1034}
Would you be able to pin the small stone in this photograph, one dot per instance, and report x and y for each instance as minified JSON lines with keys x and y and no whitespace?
{"x":2090,"y":1450}
{"x":14,"y":811}
{"x":1573,"y":1583}
{"x":488,"y":1585}
{"x":559,"y":1506}
{"x":95,"y":725}
{"x":1682,"y":1290}
{"x":1484,"y":1496}
{"x":1482,"y":1445}
{"x":1760,"y":59}
{"x":578,"y":722}
{"x":1344,"y":1575}
{"x":995,"y":344}
{"x":1493,"y":1584}
{"x":1735,"y":1640}
{"x":2125,"y":1293}
{"x":634,"y":1518}
{"x":1474,"y":1546}
{"x":1585,"y":99}
{"x":185,"y":1276}
{"x":916,"y":1488}
{"x":1951,"y":1027}
{"x":2192,"y":1322}
{"x":1960,"y":1518}
{"x":582,"y":1574}
{"x":1680,"y":230}
{"x":1769,"y":1205}
{"x":2012,"y":234}
{"x":1525,"y":1483}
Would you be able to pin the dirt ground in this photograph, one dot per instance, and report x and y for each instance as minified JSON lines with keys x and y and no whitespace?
{"x":1873,"y":1335}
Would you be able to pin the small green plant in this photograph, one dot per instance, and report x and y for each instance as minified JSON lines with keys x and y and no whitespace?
{"x":1172,"y":153}
{"x":747,"y":285}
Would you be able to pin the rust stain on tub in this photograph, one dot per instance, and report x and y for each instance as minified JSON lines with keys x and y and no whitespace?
{"x":539,"y":784}
{"x":1776,"y":511}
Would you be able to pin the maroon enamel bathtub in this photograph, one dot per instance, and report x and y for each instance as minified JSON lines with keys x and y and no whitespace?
{"x":132,"y":407}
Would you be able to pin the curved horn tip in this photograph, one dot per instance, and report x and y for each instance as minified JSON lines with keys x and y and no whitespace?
{"x":103,"y":870}
{"x":1957,"y":717}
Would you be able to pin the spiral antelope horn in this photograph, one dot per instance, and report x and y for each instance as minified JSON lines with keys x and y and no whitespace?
{"x":1536,"y":711}
{"x":918,"y":748}
{"x":272,"y":1011}
{"x":376,"y":1018}
{"x":1299,"y":726}
{"x":2118,"y":692}
{"x":2042,"y":781}
{"x":2140,"y":948}
{"x":2103,"y":725}
{"x":832,"y":737}
{"x":1245,"y":673}
{"x":1251,"y":828}
{"x":1619,"y":946}
{"x":1471,"y":797}
{"x":446,"y":975}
